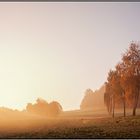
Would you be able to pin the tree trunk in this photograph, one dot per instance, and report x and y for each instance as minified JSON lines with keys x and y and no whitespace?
{"x":110,"y":106}
{"x":124,"y":105}
{"x":113,"y":112}
{"x":134,"y":111}
{"x":113,"y":107}
{"x":124,"y":112}
{"x":136,"y":102}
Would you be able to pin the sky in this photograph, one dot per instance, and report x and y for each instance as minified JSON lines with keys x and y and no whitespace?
{"x":56,"y":50}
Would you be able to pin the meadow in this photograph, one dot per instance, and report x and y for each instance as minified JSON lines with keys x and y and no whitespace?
{"x":72,"y":124}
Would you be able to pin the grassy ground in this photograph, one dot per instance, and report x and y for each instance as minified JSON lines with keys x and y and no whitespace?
{"x":73,"y":127}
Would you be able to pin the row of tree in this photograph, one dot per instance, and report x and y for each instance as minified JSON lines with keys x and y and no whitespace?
{"x":123,"y":83}
{"x":41,"y":107}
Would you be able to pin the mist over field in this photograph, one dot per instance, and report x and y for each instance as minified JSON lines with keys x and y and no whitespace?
{"x":69,"y":70}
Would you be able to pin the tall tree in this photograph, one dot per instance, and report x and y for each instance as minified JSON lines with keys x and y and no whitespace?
{"x":131,"y":73}
{"x":110,"y":92}
{"x":121,"y":84}
{"x":114,"y":92}
{"x":124,"y":81}
{"x":107,"y":98}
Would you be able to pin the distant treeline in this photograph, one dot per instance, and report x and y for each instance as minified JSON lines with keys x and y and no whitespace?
{"x":38,"y":109}
{"x":93,"y":100}
{"x":41,"y":107}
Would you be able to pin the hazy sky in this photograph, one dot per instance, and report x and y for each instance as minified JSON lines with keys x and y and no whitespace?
{"x":58,"y":50}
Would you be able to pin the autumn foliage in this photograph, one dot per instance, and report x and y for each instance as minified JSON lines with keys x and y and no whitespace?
{"x":123,"y":83}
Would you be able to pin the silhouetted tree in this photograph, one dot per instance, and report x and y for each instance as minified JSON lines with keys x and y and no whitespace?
{"x":54,"y":109}
{"x":93,"y":100}
{"x":41,"y":107}
{"x":87,"y":102}
{"x":107,"y":98}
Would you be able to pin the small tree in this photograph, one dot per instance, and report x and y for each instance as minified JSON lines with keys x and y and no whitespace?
{"x":54,"y":109}
{"x":87,"y":101}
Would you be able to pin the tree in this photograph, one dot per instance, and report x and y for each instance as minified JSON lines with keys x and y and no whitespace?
{"x":114,"y":91}
{"x":131,"y":74}
{"x":124,"y":81}
{"x":121,"y":84}
{"x":107,"y":98}
{"x":41,"y":107}
{"x":54,"y":109}
{"x":87,"y":102}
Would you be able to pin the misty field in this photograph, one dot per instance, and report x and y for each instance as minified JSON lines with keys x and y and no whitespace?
{"x":79,"y":126}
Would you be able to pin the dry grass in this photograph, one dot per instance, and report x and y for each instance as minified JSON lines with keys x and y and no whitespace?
{"x":72,"y":127}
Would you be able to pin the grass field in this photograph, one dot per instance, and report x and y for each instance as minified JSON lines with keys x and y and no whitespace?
{"x":74,"y":124}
